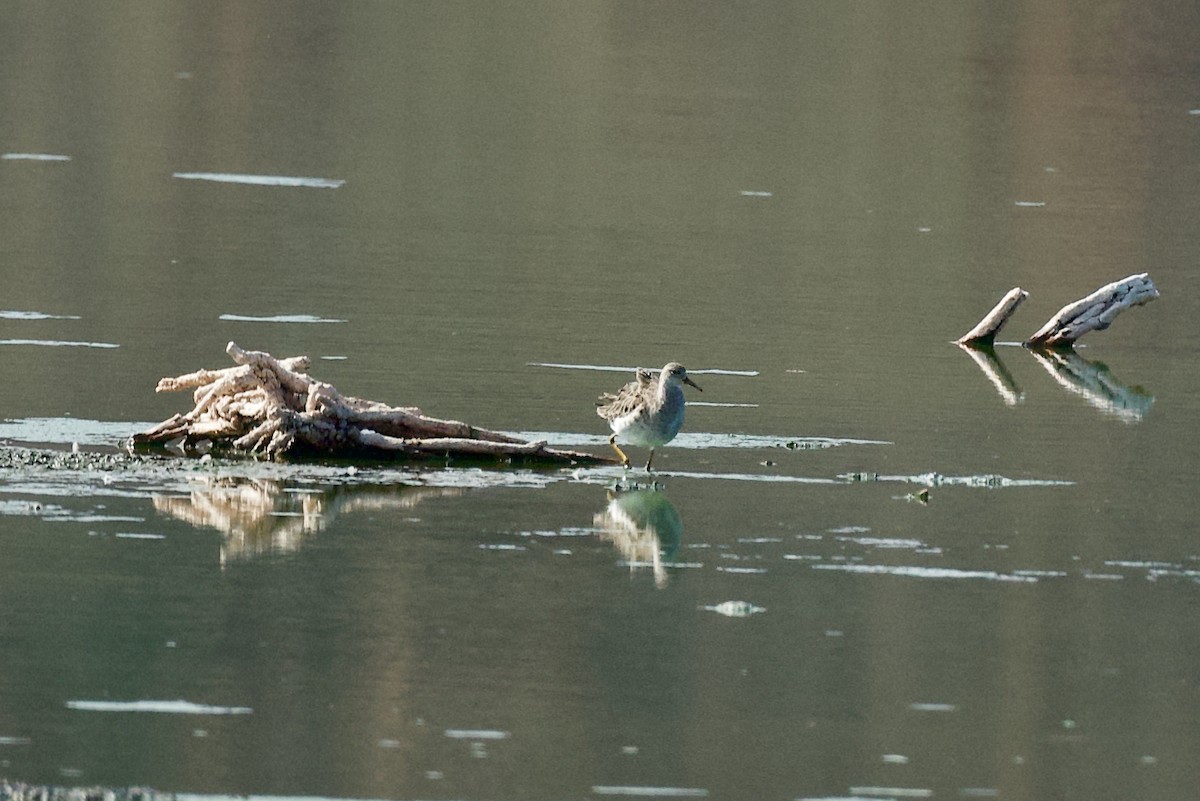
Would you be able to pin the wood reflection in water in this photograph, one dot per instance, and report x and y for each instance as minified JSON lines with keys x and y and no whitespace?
{"x":261,"y":516}
{"x":1091,"y":380}
{"x":1095,"y":384}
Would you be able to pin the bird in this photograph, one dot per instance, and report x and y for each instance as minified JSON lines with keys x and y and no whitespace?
{"x":647,"y":411}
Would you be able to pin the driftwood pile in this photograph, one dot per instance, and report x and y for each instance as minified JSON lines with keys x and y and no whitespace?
{"x":272,"y":408}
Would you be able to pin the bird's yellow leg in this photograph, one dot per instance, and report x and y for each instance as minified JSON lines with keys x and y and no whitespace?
{"x":624,"y":459}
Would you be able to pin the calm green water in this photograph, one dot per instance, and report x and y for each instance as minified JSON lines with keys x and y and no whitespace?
{"x":822,"y":195}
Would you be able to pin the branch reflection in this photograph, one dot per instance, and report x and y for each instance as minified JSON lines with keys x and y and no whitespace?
{"x":1091,"y":380}
{"x":986,"y":359}
{"x":1094,"y":382}
{"x":645,"y":528}
{"x":264,"y":516}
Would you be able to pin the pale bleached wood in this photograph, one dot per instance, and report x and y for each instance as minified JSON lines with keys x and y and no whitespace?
{"x":1094,"y":312}
{"x":460,"y":446}
{"x":447,"y":444}
{"x":406,"y":423}
{"x":201,"y":378}
{"x":270,"y":407}
{"x":986,"y":329}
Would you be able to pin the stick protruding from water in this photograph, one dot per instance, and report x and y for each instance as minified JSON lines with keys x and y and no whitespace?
{"x":984,"y":332}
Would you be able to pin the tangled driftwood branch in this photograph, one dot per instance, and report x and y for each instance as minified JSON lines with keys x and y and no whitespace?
{"x":271,"y":407}
{"x":1093,"y":313}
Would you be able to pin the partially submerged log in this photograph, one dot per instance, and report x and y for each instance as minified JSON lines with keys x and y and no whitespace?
{"x":270,"y":407}
{"x":986,"y":329}
{"x":1093,"y":313}
{"x":1053,"y":347}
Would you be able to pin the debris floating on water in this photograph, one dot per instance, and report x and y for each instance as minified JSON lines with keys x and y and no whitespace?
{"x":477,"y":734}
{"x":735,"y":609}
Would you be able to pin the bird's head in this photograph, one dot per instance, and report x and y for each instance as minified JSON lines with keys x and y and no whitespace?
{"x":677,"y":373}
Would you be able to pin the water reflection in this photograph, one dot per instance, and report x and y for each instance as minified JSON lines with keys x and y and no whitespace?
{"x":1089,"y":379}
{"x":644,"y":526}
{"x":264,"y":516}
{"x":986,"y":359}
{"x":1096,"y":384}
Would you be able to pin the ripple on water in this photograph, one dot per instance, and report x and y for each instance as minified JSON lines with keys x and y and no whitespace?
{"x":34,"y":157}
{"x":261,"y":180}
{"x":279,"y":318}
{"x":35,"y":315}
{"x":914,"y":571}
{"x":932,"y":706}
{"x":176,"y":707}
{"x":648,"y":791}
{"x":884,"y":542}
{"x":704,"y":440}
{"x":60,"y":343}
{"x":608,"y":368}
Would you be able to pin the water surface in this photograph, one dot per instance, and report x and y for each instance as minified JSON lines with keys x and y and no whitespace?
{"x":885,"y":567}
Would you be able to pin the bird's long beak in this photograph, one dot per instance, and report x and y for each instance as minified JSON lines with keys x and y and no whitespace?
{"x":688,"y":380}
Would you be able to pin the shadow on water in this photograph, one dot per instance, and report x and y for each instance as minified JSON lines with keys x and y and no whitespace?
{"x":1091,"y":380}
{"x":643,"y":526}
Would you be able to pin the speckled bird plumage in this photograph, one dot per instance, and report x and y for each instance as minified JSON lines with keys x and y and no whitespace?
{"x":647,"y":411}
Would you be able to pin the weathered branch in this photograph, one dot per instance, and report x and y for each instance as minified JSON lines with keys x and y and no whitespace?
{"x":986,"y":329}
{"x":1095,"y":312}
{"x":406,"y":423}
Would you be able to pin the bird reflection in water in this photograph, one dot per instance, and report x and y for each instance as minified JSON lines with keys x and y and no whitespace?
{"x":644,"y":527}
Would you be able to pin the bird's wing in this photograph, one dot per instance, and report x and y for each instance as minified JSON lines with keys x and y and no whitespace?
{"x":611,"y":406}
